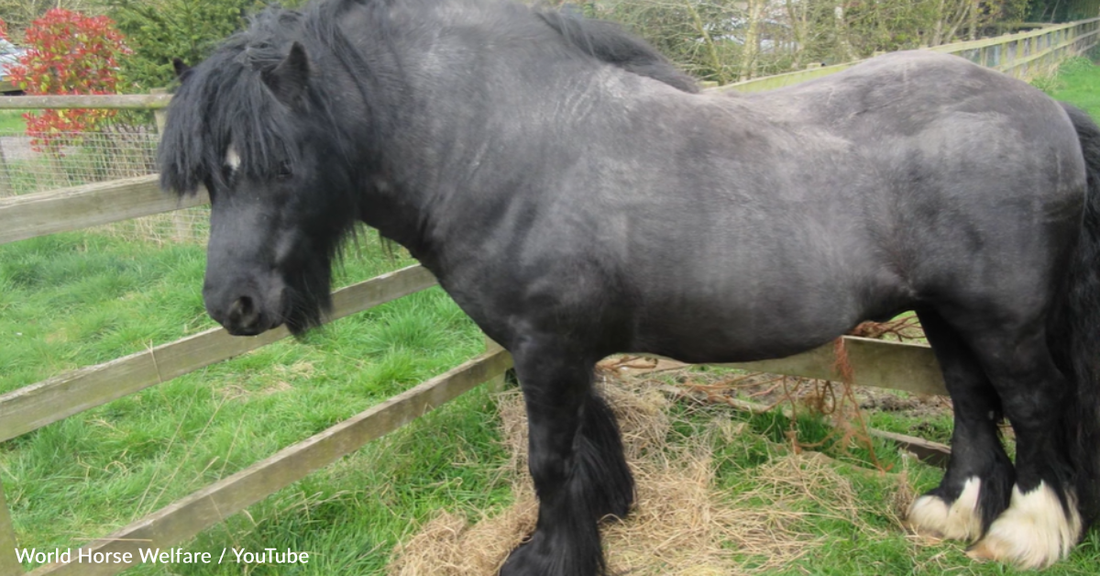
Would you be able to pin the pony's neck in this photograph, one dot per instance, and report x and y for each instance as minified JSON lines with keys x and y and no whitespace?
{"x":462,"y":121}
{"x":471,"y":105}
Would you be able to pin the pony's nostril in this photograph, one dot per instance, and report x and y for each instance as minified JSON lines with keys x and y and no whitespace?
{"x":243,"y":313}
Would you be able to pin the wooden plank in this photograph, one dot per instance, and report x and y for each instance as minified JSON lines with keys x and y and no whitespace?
{"x":185,"y":518}
{"x":878,"y":363}
{"x":765,"y":83}
{"x":497,"y":383}
{"x":160,"y":116}
{"x":31,"y":215}
{"x":106,"y":101}
{"x":799,"y":76}
{"x":955,"y":47}
{"x":9,"y":563}
{"x":1047,"y":51}
{"x":927,"y":451}
{"x":37,"y":405}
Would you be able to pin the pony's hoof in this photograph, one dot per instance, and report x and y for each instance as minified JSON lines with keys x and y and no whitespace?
{"x":523,"y":561}
{"x":932,"y":517}
{"x":1034,"y":532}
{"x":541,"y":556}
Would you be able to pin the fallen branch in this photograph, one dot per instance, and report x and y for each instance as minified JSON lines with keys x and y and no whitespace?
{"x":929,"y":452}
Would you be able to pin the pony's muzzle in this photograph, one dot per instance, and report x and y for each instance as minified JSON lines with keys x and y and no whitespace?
{"x":245,"y":315}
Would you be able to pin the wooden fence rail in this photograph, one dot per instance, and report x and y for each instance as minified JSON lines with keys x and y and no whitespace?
{"x":1023,"y":55}
{"x":79,"y":207}
{"x":1027,"y":54}
{"x":103,"y":101}
{"x":874,"y":363}
{"x":185,"y":518}
{"x":46,"y":402}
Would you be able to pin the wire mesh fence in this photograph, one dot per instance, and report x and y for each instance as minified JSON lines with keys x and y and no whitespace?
{"x":189,"y":225}
{"x":29,"y":165}
{"x":119,"y":151}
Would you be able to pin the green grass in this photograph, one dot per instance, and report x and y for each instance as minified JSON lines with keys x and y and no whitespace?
{"x":11,"y":122}
{"x":78,"y":299}
{"x":869,"y":544}
{"x":851,"y":552}
{"x":1077,"y":82}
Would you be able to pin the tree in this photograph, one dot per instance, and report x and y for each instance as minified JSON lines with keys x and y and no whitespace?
{"x":68,"y":53}
{"x":724,"y":40}
{"x":160,"y":30}
{"x":20,"y":13}
{"x":1063,"y":10}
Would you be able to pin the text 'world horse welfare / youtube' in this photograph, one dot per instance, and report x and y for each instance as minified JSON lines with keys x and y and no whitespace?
{"x":578,"y":196}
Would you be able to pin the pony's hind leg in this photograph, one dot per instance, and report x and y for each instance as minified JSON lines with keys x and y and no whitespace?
{"x":1042,"y":522}
{"x":975,"y":489}
{"x":576,"y":461}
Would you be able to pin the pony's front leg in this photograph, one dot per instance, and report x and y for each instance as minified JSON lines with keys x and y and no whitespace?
{"x":576,"y":460}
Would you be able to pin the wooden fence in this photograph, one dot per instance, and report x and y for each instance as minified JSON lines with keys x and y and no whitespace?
{"x":1023,"y":55}
{"x":877,"y":363}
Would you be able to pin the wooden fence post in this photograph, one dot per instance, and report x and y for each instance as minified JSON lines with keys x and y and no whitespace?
{"x":9,"y":563}
{"x":160,"y":114}
{"x":182,"y":229}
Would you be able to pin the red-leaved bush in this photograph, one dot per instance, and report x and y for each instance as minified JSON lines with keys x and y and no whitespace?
{"x":3,"y":29}
{"x":68,"y":53}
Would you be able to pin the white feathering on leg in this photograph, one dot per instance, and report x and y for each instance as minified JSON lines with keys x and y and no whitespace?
{"x":1034,"y":532}
{"x":931,"y":516}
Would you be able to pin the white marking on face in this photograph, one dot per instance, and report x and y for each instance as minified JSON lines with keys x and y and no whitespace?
{"x":1034,"y":532}
{"x":232,"y":158}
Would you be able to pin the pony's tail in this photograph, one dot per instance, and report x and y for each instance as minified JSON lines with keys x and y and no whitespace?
{"x":1074,"y":333}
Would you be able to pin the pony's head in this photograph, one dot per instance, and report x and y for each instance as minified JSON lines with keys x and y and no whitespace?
{"x":288,"y":123}
{"x":249,"y":126}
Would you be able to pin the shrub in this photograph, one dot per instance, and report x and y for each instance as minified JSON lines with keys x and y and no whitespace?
{"x":161,"y":30}
{"x":68,"y":53}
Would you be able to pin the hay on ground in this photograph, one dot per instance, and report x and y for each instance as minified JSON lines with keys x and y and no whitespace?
{"x":682,"y":523}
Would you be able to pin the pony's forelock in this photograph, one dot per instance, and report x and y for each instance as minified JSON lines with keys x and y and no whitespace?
{"x":224,"y":102}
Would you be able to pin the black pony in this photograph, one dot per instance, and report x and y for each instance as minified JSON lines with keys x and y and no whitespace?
{"x":577,"y":198}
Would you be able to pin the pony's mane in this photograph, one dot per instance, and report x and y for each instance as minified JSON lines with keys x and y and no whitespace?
{"x":224,"y":101}
{"x":609,"y":42}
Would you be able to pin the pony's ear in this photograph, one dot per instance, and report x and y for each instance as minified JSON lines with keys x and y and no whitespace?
{"x":288,"y":80}
{"x":182,"y":70}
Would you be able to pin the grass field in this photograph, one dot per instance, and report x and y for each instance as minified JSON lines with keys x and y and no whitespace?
{"x":72,"y":300}
{"x":78,"y":299}
{"x":1077,"y":83}
{"x":11,"y":122}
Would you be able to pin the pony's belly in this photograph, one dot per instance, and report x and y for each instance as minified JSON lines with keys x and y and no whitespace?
{"x":717,"y":342}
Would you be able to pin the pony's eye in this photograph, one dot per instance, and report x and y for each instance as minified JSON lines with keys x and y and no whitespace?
{"x":228,"y":175}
